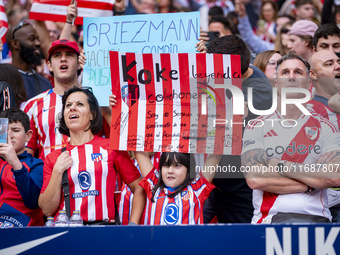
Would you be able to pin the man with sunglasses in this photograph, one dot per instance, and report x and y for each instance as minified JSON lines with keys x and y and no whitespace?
{"x":26,"y":54}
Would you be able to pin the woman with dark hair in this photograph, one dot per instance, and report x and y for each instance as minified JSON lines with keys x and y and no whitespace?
{"x":92,"y":167}
{"x":266,"y":61}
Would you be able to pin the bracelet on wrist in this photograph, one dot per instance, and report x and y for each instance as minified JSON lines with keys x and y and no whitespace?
{"x":68,"y":22}
{"x":309,"y":189}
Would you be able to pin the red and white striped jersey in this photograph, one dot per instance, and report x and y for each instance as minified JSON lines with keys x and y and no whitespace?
{"x":185,"y":208}
{"x":44,"y":112}
{"x":92,"y":177}
{"x":126,"y":195}
{"x":316,"y":107}
{"x":302,"y":142}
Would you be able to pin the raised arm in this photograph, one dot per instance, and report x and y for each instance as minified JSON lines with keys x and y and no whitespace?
{"x":254,"y":43}
{"x":211,"y":163}
{"x":326,"y":13}
{"x":28,"y":183}
{"x":72,"y":13}
{"x":144,"y":162}
{"x":44,"y":37}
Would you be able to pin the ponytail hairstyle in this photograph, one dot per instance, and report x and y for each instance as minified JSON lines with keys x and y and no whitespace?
{"x":169,"y":158}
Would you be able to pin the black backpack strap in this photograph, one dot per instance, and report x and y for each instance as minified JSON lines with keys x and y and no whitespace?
{"x":66,"y":190}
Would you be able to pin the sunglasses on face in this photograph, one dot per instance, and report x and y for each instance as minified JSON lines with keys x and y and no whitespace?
{"x":87,"y":88}
{"x":20,"y":25}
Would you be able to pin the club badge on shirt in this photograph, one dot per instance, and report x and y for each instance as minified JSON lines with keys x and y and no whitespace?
{"x":185,"y":195}
{"x":96,"y":157}
{"x":311,"y":132}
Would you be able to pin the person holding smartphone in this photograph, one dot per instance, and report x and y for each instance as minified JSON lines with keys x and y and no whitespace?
{"x":21,"y":175}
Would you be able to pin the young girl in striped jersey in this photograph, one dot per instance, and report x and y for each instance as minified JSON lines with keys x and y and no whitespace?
{"x":126,"y":196}
{"x":175,"y":194}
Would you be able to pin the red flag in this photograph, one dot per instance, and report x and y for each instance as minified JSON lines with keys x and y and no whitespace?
{"x":56,"y":10}
{"x":3,"y":22}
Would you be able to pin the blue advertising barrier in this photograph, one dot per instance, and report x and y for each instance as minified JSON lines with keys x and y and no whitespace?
{"x":206,"y":239}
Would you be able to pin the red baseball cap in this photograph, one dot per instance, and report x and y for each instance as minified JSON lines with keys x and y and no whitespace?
{"x":63,"y":43}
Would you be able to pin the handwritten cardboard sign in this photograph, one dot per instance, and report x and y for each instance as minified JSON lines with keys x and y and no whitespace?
{"x":155,"y":33}
{"x":170,"y":102}
{"x":3,"y":23}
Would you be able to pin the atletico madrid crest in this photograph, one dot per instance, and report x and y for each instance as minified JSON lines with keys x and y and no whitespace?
{"x":96,"y":157}
{"x":185,"y":195}
{"x":311,"y":132}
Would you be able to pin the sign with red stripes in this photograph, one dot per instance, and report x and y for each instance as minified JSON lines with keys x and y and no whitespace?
{"x":170,"y":102}
{"x":56,"y":10}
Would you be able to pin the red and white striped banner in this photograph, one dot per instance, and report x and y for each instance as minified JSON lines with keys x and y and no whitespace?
{"x":56,"y":10}
{"x":3,"y":22}
{"x":168,"y":102}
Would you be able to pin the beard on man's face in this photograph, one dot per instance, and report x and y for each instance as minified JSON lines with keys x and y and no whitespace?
{"x":29,"y":56}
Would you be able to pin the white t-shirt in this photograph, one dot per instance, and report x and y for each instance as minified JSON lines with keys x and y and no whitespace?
{"x":302,"y":142}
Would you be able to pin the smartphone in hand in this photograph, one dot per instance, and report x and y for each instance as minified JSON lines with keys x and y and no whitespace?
{"x":213,"y":35}
{"x":3,"y":130}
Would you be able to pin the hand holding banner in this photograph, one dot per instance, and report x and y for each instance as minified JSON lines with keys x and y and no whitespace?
{"x":175,"y":102}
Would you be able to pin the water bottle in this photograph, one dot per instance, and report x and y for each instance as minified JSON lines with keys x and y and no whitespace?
{"x":76,"y":220}
{"x":49,"y":222}
{"x":62,"y":219}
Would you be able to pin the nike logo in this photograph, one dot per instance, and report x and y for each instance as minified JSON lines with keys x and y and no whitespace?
{"x":45,"y":110}
{"x":16,"y":249}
